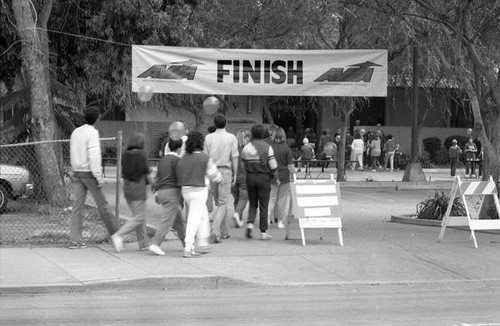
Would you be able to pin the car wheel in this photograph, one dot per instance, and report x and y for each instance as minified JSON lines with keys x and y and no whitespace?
{"x":3,"y":198}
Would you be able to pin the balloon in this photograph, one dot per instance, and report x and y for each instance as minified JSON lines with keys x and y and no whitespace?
{"x":211,"y":105}
{"x":145,"y":93}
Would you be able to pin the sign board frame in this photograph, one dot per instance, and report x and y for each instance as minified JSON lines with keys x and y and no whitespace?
{"x":465,"y":189}
{"x":316,"y":204}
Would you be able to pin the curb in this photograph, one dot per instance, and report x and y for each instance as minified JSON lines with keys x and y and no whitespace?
{"x":164,"y":283}
{"x":397,"y":185}
{"x":43,"y":288}
{"x":410,"y":219}
{"x":176,"y":283}
{"x":171,"y":283}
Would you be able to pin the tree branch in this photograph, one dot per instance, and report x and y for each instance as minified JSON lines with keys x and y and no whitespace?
{"x":44,"y":15}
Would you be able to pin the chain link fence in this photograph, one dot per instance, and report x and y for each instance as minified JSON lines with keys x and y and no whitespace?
{"x":36,"y":196}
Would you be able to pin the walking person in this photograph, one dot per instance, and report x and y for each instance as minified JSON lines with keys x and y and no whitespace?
{"x":323,"y":140}
{"x":358,"y":147}
{"x":135,"y":172}
{"x":86,"y":162}
{"x":241,"y":193}
{"x":454,"y":154}
{"x":283,"y":155}
{"x":260,"y":165}
{"x":168,"y":195}
{"x":390,"y":149}
{"x":375,"y":152}
{"x":191,"y":171}
{"x":222,"y":147}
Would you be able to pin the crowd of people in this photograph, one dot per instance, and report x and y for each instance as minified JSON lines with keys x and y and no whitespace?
{"x":219,"y":172}
{"x":364,"y":150}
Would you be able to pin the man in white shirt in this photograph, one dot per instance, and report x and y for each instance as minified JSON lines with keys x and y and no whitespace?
{"x":222,"y":147}
{"x":85,"y":151}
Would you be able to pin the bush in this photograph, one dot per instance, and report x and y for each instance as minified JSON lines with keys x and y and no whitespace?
{"x":401,"y":160}
{"x":442,"y":157}
{"x":434,"y":208}
{"x":432,"y":145}
{"x":109,"y":152}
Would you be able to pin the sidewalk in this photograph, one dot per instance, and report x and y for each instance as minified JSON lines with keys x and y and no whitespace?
{"x":375,"y":252}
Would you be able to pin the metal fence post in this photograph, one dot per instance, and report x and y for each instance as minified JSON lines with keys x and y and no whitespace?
{"x":119,"y":145}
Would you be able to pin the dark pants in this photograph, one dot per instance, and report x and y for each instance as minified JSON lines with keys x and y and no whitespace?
{"x":453,"y":166}
{"x":258,"y":187}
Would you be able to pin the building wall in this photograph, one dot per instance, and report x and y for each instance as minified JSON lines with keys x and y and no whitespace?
{"x":154,"y":123}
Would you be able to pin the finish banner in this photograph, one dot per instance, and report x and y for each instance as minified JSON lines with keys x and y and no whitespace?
{"x":164,"y":69}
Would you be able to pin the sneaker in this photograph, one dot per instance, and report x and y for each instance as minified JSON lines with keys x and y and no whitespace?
{"x":77,"y":245}
{"x":226,"y":236}
{"x":204,"y":249}
{"x":117,"y":242}
{"x":281,"y":225}
{"x":156,"y":250}
{"x":190,"y":254}
{"x":265,"y":236}
{"x":237,"y":222}
{"x":248,"y":232}
{"x":215,"y":238}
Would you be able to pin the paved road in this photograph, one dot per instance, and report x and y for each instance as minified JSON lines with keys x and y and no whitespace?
{"x":451,"y":304}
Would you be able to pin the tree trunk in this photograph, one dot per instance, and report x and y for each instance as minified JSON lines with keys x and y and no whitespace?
{"x":346,"y":109}
{"x":35,"y":62}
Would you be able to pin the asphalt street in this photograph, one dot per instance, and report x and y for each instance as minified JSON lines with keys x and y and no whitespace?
{"x":423,"y":304}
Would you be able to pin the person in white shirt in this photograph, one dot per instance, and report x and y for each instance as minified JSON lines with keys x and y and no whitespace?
{"x":358,"y":147}
{"x":85,"y":152}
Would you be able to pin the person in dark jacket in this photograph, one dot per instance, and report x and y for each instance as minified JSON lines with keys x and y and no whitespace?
{"x":135,"y":172}
{"x":168,"y":195}
{"x":260,"y":166}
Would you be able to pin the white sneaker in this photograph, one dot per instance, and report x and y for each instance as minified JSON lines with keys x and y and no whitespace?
{"x":156,"y":250}
{"x":281,"y":225}
{"x":265,"y":236}
{"x":117,"y":242}
{"x":237,"y":222}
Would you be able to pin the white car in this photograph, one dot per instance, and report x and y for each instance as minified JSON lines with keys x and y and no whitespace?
{"x":15,"y":182}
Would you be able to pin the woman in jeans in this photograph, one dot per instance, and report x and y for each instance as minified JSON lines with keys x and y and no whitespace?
{"x":191,"y":172}
{"x":260,"y":165}
{"x":283,"y":155}
{"x":240,"y":188}
{"x":135,"y":172}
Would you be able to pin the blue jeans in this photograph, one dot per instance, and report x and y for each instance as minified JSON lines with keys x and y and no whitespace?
{"x":80,"y":188}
